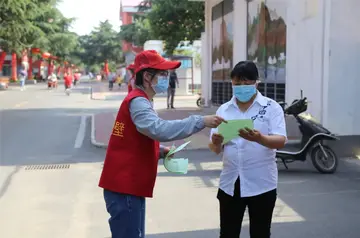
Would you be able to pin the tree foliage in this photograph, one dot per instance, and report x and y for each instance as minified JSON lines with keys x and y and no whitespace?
{"x":138,"y":32}
{"x":174,"y":21}
{"x":17,"y":22}
{"x":28,"y":24}
{"x":103,"y":43}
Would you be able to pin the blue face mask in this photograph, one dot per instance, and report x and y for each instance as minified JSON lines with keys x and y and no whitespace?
{"x":244,"y":93}
{"x":162,"y":85}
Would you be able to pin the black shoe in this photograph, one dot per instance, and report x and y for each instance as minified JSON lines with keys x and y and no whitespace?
{"x":172,"y":107}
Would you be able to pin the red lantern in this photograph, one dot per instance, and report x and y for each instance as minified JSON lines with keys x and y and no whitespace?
{"x":35,"y":51}
{"x":46,"y":55}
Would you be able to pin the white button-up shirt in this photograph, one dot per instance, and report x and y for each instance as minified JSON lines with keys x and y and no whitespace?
{"x":253,"y":163}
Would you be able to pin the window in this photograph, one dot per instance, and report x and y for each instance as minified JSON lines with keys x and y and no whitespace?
{"x":185,"y":64}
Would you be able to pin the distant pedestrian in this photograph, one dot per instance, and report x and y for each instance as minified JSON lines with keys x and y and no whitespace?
{"x":77,"y":76}
{"x":111,"y":78}
{"x":119,"y":80}
{"x":52,"y":81}
{"x":173,"y":81}
{"x":67,"y":83}
{"x":22,"y":78}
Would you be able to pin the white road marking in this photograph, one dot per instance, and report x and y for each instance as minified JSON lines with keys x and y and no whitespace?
{"x":81,"y":133}
{"x":21,"y":104}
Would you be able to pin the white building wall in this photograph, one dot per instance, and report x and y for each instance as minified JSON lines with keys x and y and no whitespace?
{"x":304,"y":65}
{"x":157,"y":45}
{"x":342,"y":102}
{"x":323,"y":55}
{"x":206,"y":60}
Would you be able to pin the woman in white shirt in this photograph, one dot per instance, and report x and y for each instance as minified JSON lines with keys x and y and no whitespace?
{"x":249,"y":175}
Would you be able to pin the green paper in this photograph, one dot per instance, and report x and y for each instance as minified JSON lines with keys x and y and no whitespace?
{"x":174,"y":150}
{"x":178,"y":165}
{"x":230,"y":130}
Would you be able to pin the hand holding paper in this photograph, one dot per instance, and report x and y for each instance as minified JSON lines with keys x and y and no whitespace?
{"x":179,"y":165}
{"x":174,"y":150}
{"x":230,"y":130}
{"x":176,"y":165}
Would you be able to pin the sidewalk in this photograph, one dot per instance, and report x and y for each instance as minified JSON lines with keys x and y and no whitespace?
{"x":100,"y":91}
{"x":102,"y":125}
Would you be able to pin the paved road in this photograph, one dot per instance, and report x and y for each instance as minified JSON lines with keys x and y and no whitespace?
{"x":39,"y":127}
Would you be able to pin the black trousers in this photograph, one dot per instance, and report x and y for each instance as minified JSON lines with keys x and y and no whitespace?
{"x":170,"y":97}
{"x":232,"y":209}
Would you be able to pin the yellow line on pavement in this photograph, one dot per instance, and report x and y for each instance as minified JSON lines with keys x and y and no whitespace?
{"x":21,"y":104}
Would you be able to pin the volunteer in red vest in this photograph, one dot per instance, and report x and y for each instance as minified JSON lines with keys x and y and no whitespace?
{"x":131,"y":83}
{"x":131,"y":161}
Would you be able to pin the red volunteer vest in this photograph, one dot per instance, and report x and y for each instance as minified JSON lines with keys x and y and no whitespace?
{"x":131,"y":160}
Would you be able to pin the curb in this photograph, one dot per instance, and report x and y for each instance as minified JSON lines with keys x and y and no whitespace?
{"x":93,"y":139}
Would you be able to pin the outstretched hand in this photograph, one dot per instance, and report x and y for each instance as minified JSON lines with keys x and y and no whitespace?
{"x":213,"y":121}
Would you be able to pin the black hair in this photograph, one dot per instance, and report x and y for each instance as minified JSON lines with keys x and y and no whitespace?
{"x":245,"y":70}
{"x":139,"y":79}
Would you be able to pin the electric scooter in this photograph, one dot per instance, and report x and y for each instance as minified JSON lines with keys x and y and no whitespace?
{"x":312,"y":144}
{"x":200,"y":102}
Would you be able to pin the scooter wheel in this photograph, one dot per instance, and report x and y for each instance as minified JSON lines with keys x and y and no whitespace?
{"x":325,"y":165}
{"x":198,"y":102}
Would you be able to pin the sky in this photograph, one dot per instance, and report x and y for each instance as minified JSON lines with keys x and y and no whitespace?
{"x":89,"y":13}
